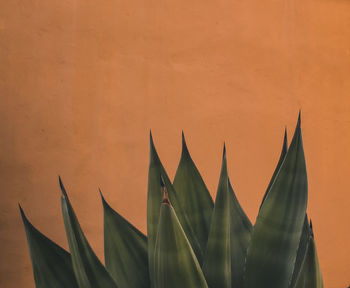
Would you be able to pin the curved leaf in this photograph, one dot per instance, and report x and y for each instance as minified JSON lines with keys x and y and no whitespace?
{"x":89,"y":271}
{"x":175,"y":262}
{"x":241,"y":228}
{"x":301,"y":253}
{"x":52,"y":265}
{"x":154,"y":199}
{"x":217,"y":260}
{"x":276,"y":234}
{"x":282,"y":156}
{"x":310,"y":275}
{"x":193,"y":196}
{"x":125,"y":250}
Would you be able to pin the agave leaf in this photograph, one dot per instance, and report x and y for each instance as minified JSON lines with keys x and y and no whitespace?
{"x":174,"y":260}
{"x":310,"y":275}
{"x":125,"y":250}
{"x":193,"y":196}
{"x":276,"y":234}
{"x":89,"y":271}
{"x":301,"y":253}
{"x":52,"y":264}
{"x":217,"y":261}
{"x":154,"y":199}
{"x":282,"y":156}
{"x":241,"y":228}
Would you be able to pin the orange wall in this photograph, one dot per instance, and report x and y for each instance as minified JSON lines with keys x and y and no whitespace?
{"x":82,"y":83}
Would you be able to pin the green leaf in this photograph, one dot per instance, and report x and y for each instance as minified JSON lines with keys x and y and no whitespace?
{"x":301,"y":253}
{"x":175,"y":262}
{"x":310,"y":275}
{"x":193,"y":196}
{"x":276,"y":234}
{"x":89,"y":271}
{"x":217,"y":261}
{"x":154,"y":199}
{"x":282,"y":156}
{"x":241,"y":228}
{"x":125,"y":250}
{"x":52,"y":265}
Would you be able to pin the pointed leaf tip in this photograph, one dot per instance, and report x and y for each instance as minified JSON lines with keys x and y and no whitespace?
{"x":151,"y":143}
{"x":193,"y":197}
{"x":184,"y":144}
{"x":125,"y":250}
{"x":24,"y":217}
{"x":280,"y":161}
{"x":104,"y":202}
{"x":284,"y":207}
{"x":229,"y":181}
{"x":285,"y":139}
{"x":285,"y":143}
{"x":217,"y":261}
{"x":51,"y":264}
{"x":311,"y":230}
{"x":151,"y":138}
{"x":26,"y":222}
{"x":224,"y":151}
{"x":62,"y":187}
{"x":153,"y":151}
{"x":297,"y":133}
{"x":89,"y":271}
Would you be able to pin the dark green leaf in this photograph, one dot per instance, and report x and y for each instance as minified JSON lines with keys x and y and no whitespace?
{"x":89,"y":271}
{"x":217,"y":261}
{"x":154,"y":199}
{"x":276,"y":234}
{"x":175,"y":262}
{"x":52,"y":265}
{"x":282,"y":156}
{"x":125,"y":251}
{"x":310,"y":275}
{"x":301,"y":253}
{"x":193,"y":196}
{"x":241,"y":228}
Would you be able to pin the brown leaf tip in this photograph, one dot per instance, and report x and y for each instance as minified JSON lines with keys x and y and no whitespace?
{"x":165,"y":194}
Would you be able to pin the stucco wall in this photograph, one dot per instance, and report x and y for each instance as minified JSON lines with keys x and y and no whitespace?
{"x":82,"y":82}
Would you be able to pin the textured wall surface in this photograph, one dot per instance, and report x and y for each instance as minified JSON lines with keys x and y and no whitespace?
{"x":82,"y":82}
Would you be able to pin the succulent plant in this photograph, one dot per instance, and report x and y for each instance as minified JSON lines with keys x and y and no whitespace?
{"x":192,"y":242}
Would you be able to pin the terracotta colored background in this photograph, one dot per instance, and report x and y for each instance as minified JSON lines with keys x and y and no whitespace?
{"x":82,"y":82}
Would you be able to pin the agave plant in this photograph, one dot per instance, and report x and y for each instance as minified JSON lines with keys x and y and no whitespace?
{"x":192,"y":242}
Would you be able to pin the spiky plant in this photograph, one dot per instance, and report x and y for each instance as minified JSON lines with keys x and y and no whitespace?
{"x":191,"y":241}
